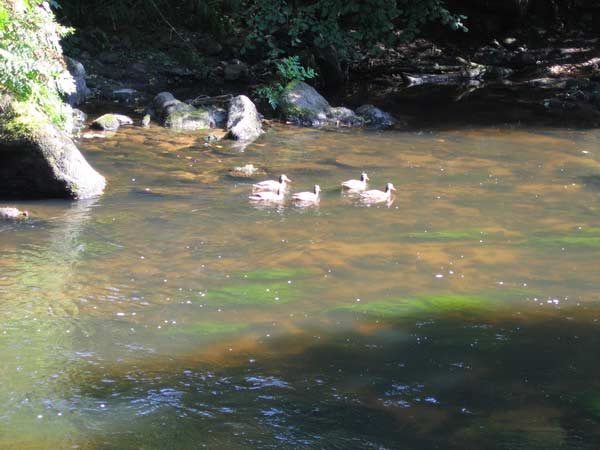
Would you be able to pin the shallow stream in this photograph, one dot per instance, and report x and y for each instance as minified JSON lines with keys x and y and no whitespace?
{"x":173,"y":314}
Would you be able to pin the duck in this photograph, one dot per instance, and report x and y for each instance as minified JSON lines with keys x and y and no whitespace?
{"x":308,"y":197}
{"x":13,"y":214}
{"x":356,"y":185}
{"x":272,"y":185}
{"x":377,"y":196}
{"x":267,"y":196}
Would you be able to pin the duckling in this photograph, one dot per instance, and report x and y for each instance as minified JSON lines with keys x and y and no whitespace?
{"x":272,"y":185}
{"x":308,"y":197}
{"x":268,"y":197}
{"x":377,"y":196}
{"x":13,"y":214}
{"x":356,"y":185}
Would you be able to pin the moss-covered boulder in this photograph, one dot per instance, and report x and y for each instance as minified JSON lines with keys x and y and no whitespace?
{"x":301,"y":103}
{"x":38,"y":159}
{"x":178,"y":115}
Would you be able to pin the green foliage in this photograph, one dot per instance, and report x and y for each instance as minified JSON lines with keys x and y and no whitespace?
{"x":214,"y":16}
{"x":31,"y":62}
{"x":352,"y":27}
{"x":416,"y":14}
{"x":288,"y":69}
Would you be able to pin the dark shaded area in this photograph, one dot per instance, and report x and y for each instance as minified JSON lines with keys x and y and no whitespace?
{"x":439,"y":384}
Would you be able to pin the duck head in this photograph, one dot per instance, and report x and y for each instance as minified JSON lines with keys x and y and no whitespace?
{"x":317,"y":189}
{"x":284,"y":179}
{"x":389,"y":187}
{"x":364,"y":177}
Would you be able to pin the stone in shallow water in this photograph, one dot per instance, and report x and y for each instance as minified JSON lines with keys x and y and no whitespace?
{"x":111,"y":122}
{"x":375,"y":117}
{"x":243,"y":123}
{"x":247,"y":171}
{"x":178,"y":115}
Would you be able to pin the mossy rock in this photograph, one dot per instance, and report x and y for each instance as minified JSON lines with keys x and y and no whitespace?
{"x":301,"y":102}
{"x":38,"y":159}
{"x":199,"y":119}
{"x":106,"y":122}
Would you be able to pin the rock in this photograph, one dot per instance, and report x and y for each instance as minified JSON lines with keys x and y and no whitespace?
{"x":375,"y":117}
{"x":146,"y":121}
{"x":111,"y":122}
{"x":79,"y":118}
{"x":235,"y":70}
{"x":178,"y":115}
{"x":247,"y":171}
{"x":40,"y":161}
{"x":124,"y":120}
{"x":243,"y":122}
{"x":343,"y":116}
{"x":302,"y":103}
{"x":82,"y":92}
{"x":13,"y":214}
{"x":126,"y":95}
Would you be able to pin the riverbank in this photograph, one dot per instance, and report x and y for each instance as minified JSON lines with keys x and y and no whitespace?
{"x":539,"y":79}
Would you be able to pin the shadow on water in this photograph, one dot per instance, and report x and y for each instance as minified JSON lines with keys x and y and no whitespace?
{"x":355,"y":382}
{"x":454,"y":107}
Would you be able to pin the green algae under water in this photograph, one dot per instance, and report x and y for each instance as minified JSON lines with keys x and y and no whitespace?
{"x":172,"y":313}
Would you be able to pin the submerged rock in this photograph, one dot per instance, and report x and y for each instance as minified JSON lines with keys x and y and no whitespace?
{"x":178,"y":115}
{"x":247,"y":171}
{"x":344,"y":116}
{"x":39,"y":160}
{"x":82,"y":92}
{"x":8,"y":213}
{"x":243,"y":123}
{"x":375,"y":117}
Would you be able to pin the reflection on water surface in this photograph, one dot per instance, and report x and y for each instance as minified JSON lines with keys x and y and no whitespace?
{"x":172,"y":313}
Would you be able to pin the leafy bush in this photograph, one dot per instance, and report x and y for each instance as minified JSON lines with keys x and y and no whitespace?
{"x":31,"y":62}
{"x":288,"y":69}
{"x":352,"y":27}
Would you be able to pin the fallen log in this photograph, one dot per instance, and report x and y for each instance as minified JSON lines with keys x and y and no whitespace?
{"x":470,"y":71}
{"x":206,"y":100}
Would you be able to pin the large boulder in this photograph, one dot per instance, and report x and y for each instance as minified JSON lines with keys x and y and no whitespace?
{"x":39,"y":160}
{"x":178,"y":115}
{"x":82,"y":92}
{"x":302,"y":104}
{"x":243,"y":122}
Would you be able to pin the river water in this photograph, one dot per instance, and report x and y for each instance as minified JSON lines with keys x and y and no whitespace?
{"x":173,"y":314}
